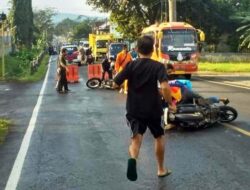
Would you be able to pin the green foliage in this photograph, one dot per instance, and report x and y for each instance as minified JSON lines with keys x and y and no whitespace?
{"x":214,"y":17}
{"x":4,"y":126}
{"x":74,"y":30}
{"x":65,"y":27}
{"x":224,"y":67}
{"x":130,"y":16}
{"x":244,"y":30}
{"x":44,"y":27}
{"x":39,"y":74}
{"x":18,"y":65}
{"x":225,"y":58}
{"x":23,"y":20}
{"x":82,"y":30}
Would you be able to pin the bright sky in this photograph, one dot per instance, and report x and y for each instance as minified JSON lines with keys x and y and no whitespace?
{"x":65,"y":6}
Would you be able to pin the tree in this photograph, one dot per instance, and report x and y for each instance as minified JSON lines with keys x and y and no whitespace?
{"x":65,"y":27}
{"x":23,"y":20}
{"x":242,"y":9}
{"x":82,"y":29}
{"x":245,"y":33}
{"x":140,"y":13}
{"x":214,"y":17}
{"x":44,"y":24}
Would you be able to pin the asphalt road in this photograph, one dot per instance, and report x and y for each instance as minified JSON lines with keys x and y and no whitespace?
{"x":80,"y":142}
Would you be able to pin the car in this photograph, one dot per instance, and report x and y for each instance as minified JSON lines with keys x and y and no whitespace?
{"x":84,"y":44}
{"x":72,"y":52}
{"x":114,"y":49}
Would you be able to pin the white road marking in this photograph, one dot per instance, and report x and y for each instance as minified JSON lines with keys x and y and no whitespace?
{"x":18,"y":164}
{"x":242,"y":131}
{"x":225,"y":83}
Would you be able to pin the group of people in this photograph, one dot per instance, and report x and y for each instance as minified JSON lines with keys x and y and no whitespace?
{"x":144,"y":106}
{"x":141,"y":79}
{"x":85,"y":57}
{"x":144,"y":102}
{"x":81,"y":55}
{"x":111,"y":66}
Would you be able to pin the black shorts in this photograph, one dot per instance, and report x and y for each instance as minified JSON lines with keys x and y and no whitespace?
{"x":139,"y":126}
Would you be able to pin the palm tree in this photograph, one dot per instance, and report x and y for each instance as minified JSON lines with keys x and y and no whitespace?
{"x":245,"y":33}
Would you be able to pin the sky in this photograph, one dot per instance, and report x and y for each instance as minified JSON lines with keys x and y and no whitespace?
{"x":66,"y":6}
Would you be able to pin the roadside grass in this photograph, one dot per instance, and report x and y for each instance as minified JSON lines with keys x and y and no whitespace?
{"x":23,"y":74}
{"x":4,"y":128}
{"x":225,"y":57}
{"x":39,"y":74}
{"x":224,"y":67}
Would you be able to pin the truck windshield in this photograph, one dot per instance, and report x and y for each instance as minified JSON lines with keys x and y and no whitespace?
{"x":179,"y":40}
{"x":101,"y":43}
{"x":115,"y":48}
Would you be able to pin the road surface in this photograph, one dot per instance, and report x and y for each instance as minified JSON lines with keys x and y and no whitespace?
{"x":79,"y":141}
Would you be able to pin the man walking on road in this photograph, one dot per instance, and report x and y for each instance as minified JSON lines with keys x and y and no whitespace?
{"x":144,"y":107}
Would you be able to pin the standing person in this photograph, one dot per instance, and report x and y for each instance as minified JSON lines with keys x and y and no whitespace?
{"x":122,"y":59}
{"x":144,"y":106}
{"x":106,"y":67}
{"x":81,"y":56}
{"x":90,"y":58}
{"x":134,"y":54}
{"x":62,"y":72}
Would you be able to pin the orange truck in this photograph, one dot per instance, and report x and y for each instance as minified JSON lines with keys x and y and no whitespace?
{"x":177,"y":43}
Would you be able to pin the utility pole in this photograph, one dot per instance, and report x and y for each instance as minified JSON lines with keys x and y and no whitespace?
{"x":172,"y":10}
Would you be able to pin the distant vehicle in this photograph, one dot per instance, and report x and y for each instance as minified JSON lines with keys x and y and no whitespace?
{"x":176,"y":43}
{"x":84,"y":44}
{"x":99,"y":44}
{"x":114,"y":49}
{"x":72,"y":52}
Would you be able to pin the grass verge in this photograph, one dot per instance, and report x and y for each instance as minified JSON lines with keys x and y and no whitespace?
{"x":4,"y":128}
{"x":22,"y":74}
{"x":224,"y":67}
{"x":39,"y":74}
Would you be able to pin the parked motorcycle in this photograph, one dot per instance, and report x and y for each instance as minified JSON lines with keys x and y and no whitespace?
{"x":200,"y":115}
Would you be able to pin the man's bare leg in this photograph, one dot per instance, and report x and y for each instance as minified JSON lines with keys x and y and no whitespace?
{"x":135,"y":145}
{"x":133,"y":150}
{"x":159,"y":152}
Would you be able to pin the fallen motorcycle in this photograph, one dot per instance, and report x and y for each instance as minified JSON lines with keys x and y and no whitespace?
{"x":201,"y":115}
{"x":95,"y":83}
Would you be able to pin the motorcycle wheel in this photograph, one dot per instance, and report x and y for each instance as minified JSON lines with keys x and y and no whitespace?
{"x":93,"y":83}
{"x":227,"y":114}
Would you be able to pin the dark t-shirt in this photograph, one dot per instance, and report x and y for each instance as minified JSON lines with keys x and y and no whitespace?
{"x":106,"y":64}
{"x":143,"y":100}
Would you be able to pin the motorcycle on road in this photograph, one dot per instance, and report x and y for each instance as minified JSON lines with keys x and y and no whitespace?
{"x":201,"y":115}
